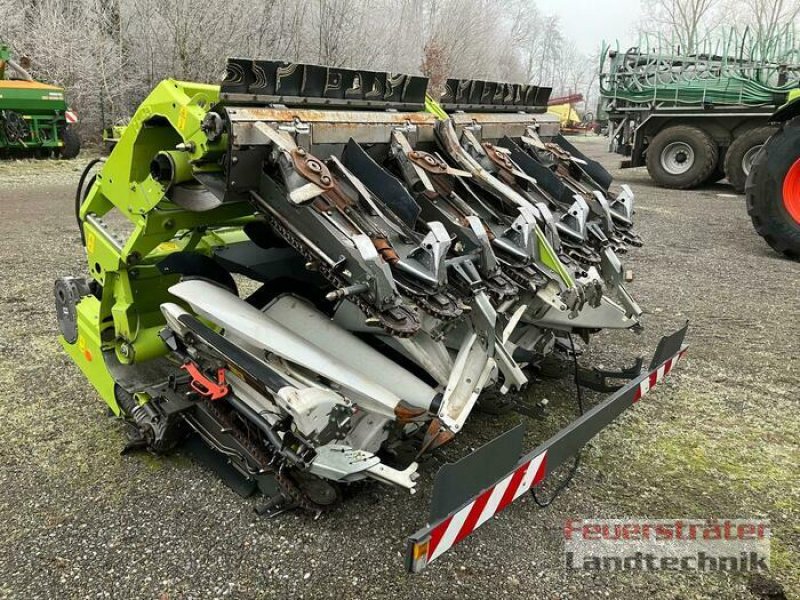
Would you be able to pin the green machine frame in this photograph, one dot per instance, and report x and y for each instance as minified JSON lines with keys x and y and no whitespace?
{"x":125,"y":319}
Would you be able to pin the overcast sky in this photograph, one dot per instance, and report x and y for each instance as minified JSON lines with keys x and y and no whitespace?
{"x":589,"y":22}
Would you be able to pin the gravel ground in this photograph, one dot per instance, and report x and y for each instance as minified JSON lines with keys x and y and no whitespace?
{"x":719,"y":439}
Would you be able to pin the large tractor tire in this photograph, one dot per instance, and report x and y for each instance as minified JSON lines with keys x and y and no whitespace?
{"x":741,"y":154}
{"x":773,"y":192}
{"x":682,"y":157}
{"x":72,"y":144}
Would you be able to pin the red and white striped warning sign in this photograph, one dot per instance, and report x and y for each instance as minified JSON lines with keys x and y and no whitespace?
{"x":657,"y":376}
{"x":459,"y":525}
{"x":71,"y":117}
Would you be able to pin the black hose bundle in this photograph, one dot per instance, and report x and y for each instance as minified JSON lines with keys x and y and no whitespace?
{"x":80,"y":195}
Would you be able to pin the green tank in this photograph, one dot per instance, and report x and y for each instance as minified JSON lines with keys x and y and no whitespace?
{"x":35,"y":119}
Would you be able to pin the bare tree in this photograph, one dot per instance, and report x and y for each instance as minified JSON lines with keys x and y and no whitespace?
{"x":109,"y":54}
{"x":766,"y":19}
{"x":689,"y":22}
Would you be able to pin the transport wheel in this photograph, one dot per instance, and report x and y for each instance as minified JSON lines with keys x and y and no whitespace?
{"x":681,"y":157}
{"x":72,"y":144}
{"x":742,"y":152}
{"x":773,"y":192}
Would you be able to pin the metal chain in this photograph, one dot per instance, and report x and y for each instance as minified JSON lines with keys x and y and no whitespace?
{"x":519,"y":276}
{"x":288,"y":488}
{"x":393,"y":327}
{"x":447,"y":313}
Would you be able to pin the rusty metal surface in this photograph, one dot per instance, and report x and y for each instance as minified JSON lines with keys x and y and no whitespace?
{"x":310,"y":115}
{"x":312,"y":168}
{"x":501,"y":159}
{"x":506,"y":169}
{"x":385,"y":249}
{"x":558,"y":151}
{"x":494,"y":126}
{"x":428,"y":161}
{"x":332,"y":127}
{"x":488,"y":118}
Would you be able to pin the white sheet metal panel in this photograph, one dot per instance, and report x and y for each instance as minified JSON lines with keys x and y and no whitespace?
{"x":370,"y":379}
{"x":306,"y":321}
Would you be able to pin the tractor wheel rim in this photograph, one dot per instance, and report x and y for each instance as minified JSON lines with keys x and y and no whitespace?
{"x":791,"y":191}
{"x":749,"y":157}
{"x":677,"y":158}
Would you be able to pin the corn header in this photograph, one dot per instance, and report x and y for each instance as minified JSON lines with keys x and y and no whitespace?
{"x":321,"y":273}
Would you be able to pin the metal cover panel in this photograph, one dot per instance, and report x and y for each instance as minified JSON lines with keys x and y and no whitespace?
{"x":459,"y":481}
{"x":491,"y":96}
{"x":304,"y":320}
{"x":249,"y":81}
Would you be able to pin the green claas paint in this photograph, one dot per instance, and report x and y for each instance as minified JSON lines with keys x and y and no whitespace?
{"x":35,"y":119}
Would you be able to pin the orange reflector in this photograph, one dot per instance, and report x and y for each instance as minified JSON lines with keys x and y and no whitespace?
{"x":420,"y":549}
{"x":82,"y":346}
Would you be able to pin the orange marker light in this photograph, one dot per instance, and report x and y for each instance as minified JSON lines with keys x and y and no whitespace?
{"x":420,"y":550}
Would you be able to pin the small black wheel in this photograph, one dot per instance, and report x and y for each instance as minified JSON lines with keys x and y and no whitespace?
{"x":72,"y":144}
{"x":773,"y":192}
{"x":15,"y":127}
{"x":742,"y":152}
{"x":322,"y":492}
{"x":682,"y":157}
{"x":68,"y":292}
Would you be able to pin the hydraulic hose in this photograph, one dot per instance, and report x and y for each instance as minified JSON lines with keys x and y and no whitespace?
{"x":574,"y":468}
{"x":743,"y":72}
{"x":80,"y":196}
{"x":273,"y":437}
